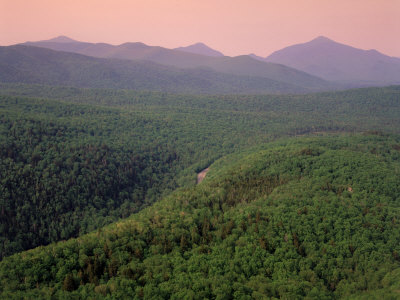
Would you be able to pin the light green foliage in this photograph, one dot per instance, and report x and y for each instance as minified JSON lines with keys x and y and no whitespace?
{"x":298,"y":218}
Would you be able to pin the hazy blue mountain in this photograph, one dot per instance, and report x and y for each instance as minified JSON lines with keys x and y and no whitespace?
{"x":200,"y":48}
{"x":252,"y":55}
{"x":240,"y":65}
{"x":132,"y":51}
{"x":59,"y":39}
{"x":333,"y":61}
{"x":28,"y":64}
{"x":246,"y":66}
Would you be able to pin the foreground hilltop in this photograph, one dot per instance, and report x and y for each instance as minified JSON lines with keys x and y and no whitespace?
{"x":311,"y":217}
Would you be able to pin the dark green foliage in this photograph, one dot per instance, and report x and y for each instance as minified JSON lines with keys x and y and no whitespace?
{"x":368,"y":109}
{"x":69,"y":283}
{"x":314,"y":218}
{"x":67,"y":169}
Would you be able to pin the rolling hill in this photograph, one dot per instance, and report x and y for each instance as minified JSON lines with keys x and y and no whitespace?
{"x":333,"y":61}
{"x":285,"y":220}
{"x":72,"y":160}
{"x":100,"y":147}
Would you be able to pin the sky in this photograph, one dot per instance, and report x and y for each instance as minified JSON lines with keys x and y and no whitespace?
{"x":233,"y":27}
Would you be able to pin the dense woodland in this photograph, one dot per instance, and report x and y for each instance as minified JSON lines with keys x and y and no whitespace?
{"x":300,"y":217}
{"x":69,"y":166}
{"x":303,"y":217}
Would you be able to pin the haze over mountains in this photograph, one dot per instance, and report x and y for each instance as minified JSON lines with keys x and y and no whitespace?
{"x":35,"y":65}
{"x":302,"y":197}
{"x":240,"y":65}
{"x":333,"y":61}
{"x":200,"y":48}
{"x":318,"y":65}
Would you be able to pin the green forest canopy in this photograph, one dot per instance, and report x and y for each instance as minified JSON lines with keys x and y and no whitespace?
{"x":73,"y":160}
{"x":301,"y":217}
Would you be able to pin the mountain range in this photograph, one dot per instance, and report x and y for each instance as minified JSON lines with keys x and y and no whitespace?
{"x":200,"y":48}
{"x":99,"y":157}
{"x":239,"y":65}
{"x":35,"y":65}
{"x":319,"y":65}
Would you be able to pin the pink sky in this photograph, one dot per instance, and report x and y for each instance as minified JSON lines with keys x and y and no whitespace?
{"x":233,"y":27}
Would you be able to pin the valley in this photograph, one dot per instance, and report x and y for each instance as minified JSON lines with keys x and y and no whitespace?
{"x":131,"y":171}
{"x":202,"y":175}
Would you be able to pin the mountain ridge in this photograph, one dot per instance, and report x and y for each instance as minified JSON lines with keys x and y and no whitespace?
{"x":185,"y":60}
{"x":311,"y":64}
{"x":61,"y":39}
{"x":36,"y":65}
{"x":200,"y":48}
{"x":335,"y":61}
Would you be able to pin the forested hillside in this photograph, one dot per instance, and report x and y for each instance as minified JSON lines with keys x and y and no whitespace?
{"x":299,"y":218}
{"x":83,"y":158}
{"x":153,"y":170}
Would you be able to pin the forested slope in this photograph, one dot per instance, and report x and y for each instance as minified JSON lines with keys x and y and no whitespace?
{"x":68,"y":168}
{"x":304,"y":217}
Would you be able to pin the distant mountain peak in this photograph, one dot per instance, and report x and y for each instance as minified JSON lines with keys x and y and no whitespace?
{"x":200,"y":48}
{"x":135,"y":44}
{"x":335,"y":61}
{"x":200,"y":44}
{"x":321,"y":38}
{"x":254,"y":56}
{"x":374,"y":51}
{"x":62,"y":39}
